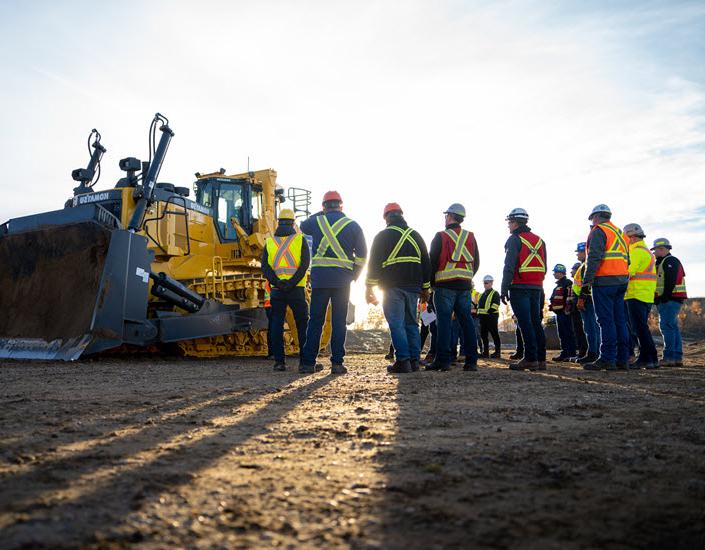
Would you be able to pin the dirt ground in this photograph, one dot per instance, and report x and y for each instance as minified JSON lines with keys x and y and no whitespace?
{"x":171,"y":452}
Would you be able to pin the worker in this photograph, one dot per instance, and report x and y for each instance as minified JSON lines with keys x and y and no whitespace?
{"x":475,"y":300}
{"x":455,"y":259}
{"x":607,"y":274}
{"x":669,"y":297}
{"x":581,"y":346}
{"x":640,"y":295}
{"x":399,"y":264}
{"x":560,"y":306}
{"x":584,"y":305}
{"x":488,"y":313}
{"x":285,"y":262}
{"x":522,"y":282}
{"x":339,"y":252}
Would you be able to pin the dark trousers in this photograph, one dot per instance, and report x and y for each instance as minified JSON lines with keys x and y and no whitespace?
{"x":320,"y":298}
{"x":580,"y":338}
{"x":565,"y":334}
{"x":268,"y":312}
{"x":612,"y":318}
{"x":296,"y":300}
{"x":526,"y":305}
{"x":639,"y":316}
{"x":446,"y":302}
{"x":488,"y":325}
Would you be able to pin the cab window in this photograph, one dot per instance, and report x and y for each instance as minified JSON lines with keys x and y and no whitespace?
{"x":229,"y":205}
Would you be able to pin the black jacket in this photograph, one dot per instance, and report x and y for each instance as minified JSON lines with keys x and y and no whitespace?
{"x":671,"y":266}
{"x":285,"y":231}
{"x":406,"y":275}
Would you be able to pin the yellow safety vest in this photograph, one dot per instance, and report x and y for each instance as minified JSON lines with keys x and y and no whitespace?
{"x":330,"y":241}
{"x":284,"y":256}
{"x":460,"y":252}
{"x":488,"y":307}
{"x":642,"y":273}
{"x":578,"y":280}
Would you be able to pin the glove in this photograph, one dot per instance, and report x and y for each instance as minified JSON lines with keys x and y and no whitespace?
{"x":284,"y":285}
{"x":581,"y":304}
{"x":425,"y":295}
{"x":370,"y":296}
{"x":504,"y":298}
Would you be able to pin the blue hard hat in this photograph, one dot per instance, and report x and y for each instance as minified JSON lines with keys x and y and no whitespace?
{"x":560,"y":268}
{"x":580,"y":247}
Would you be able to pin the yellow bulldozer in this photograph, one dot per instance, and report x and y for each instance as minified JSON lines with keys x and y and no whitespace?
{"x":143,"y":266}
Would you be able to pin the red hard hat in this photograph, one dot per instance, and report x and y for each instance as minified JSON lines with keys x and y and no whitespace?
{"x":332,"y":196}
{"x":391,"y":207}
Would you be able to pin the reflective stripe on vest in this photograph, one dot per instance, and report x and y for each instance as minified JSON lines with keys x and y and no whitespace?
{"x":284,"y":256}
{"x":460,"y":252}
{"x":649,"y":274}
{"x":679,"y":290}
{"x":534,"y":253}
{"x":616,"y":260}
{"x":485,"y":309}
{"x":405,"y":238}
{"x":330,"y":240}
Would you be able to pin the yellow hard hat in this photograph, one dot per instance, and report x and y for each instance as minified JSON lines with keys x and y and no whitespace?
{"x":287,"y":214}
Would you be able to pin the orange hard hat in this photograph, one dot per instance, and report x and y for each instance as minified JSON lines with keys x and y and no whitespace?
{"x":392,"y":207}
{"x":332,"y":196}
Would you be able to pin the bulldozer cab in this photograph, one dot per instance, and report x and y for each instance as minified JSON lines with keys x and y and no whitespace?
{"x":230,"y":200}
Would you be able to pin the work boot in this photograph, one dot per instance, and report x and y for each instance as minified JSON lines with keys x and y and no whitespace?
{"x":496,"y":355}
{"x":622,"y":365}
{"x":470,"y":367}
{"x":542,"y":365}
{"x":650,"y":365}
{"x":338,"y":368}
{"x":636,"y":365}
{"x":436,"y":365}
{"x":485,"y":355}
{"x":524,"y":365}
{"x":279,"y":366}
{"x":429,"y":358}
{"x":516,"y":355}
{"x":399,"y":367}
{"x":560,"y":358}
{"x":666,"y":363}
{"x":600,"y":365}
{"x":414,"y":364}
{"x":310,"y":369}
{"x":589,"y":358}
{"x":677,"y":363}
{"x":389,"y":356}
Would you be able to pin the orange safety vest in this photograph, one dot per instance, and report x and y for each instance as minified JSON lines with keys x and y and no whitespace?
{"x":616,"y":260}
{"x":267,"y":294}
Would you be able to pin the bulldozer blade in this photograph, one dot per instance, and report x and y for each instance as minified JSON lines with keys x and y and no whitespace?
{"x":63,"y":291}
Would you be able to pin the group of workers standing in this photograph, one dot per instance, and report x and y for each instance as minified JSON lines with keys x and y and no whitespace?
{"x":441,"y":278}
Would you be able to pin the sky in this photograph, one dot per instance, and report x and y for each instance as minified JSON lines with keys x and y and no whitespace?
{"x":550,"y":106}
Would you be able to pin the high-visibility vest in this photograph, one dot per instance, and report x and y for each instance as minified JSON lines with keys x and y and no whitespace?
{"x":679,"y":289}
{"x":578,"y":280}
{"x":460,"y":263}
{"x":405,"y":237}
{"x":616,"y":260}
{"x":267,"y":294}
{"x":642,"y":273}
{"x":531,"y":264}
{"x":329,"y":242}
{"x":284,"y":256}
{"x":485,"y":305}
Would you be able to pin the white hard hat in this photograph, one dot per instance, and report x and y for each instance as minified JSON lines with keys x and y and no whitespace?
{"x":518,"y":214}
{"x":662,"y":241}
{"x":487,"y":279}
{"x":600,"y":209}
{"x":633,"y":230}
{"x":456,"y":208}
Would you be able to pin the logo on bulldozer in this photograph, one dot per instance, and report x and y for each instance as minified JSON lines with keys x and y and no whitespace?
{"x":94,"y":197}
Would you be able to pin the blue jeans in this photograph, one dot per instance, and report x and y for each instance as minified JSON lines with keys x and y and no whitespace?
{"x":526,"y":305}
{"x":668,"y":323}
{"x":296,"y":300}
{"x":446,"y":302}
{"x":566,"y":334}
{"x":639,"y":316}
{"x":592,"y":330}
{"x":320,"y":298}
{"x":399,"y":308}
{"x":611,"y":316}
